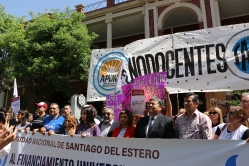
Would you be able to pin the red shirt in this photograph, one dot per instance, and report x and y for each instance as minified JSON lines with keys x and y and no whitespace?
{"x":128,"y":133}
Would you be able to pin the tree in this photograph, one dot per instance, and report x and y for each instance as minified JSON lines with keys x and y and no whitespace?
{"x":237,"y":96}
{"x":54,"y":50}
{"x":11,"y":30}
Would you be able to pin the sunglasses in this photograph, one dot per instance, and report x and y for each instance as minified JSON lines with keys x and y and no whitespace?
{"x":231,"y":113}
{"x":212,"y":113}
{"x":107,"y":113}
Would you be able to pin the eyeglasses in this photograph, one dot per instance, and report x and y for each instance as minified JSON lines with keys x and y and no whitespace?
{"x":52,"y":108}
{"x":107,"y":113}
{"x":231,"y":113}
{"x":212,"y":113}
{"x":244,"y":101}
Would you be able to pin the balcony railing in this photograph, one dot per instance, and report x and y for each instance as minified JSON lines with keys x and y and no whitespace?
{"x":100,"y":5}
{"x":119,"y":1}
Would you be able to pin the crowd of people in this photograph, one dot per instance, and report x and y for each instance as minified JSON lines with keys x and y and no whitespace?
{"x":220,"y":122}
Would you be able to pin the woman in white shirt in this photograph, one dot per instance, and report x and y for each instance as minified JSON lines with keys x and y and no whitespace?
{"x":234,"y":129}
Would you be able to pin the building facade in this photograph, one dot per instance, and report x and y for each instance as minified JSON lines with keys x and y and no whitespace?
{"x":120,"y":22}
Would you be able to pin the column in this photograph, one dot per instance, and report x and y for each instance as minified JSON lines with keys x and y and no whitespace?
{"x":203,"y":10}
{"x":217,"y":12}
{"x":146,"y":21}
{"x":155,"y":21}
{"x":109,"y":33}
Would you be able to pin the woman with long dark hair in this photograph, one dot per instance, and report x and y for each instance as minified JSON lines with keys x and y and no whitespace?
{"x":87,"y":126}
{"x":125,"y":128}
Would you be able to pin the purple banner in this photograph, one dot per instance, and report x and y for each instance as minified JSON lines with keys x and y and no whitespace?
{"x":115,"y":102}
{"x":126,"y":90}
{"x":153,"y":85}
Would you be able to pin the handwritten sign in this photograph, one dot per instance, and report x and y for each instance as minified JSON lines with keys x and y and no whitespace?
{"x":115,"y":102}
{"x":153,"y":85}
{"x":126,"y":90}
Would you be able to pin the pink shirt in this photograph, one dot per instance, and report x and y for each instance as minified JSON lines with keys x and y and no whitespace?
{"x":198,"y":126}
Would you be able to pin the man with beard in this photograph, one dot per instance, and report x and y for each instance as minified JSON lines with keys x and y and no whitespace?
{"x":108,"y":124}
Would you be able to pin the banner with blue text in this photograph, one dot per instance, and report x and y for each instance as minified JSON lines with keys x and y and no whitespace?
{"x":57,"y":150}
{"x":214,"y":59}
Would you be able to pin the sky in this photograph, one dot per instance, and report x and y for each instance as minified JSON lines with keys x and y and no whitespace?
{"x":22,"y":7}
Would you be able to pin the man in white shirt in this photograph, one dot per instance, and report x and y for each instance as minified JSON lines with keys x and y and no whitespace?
{"x":108,"y":124}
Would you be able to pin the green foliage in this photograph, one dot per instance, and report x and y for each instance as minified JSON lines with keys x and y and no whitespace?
{"x":11,"y":30}
{"x":237,"y":96}
{"x":55,"y":49}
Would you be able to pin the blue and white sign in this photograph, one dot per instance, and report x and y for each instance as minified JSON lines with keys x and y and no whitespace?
{"x":55,"y":150}
{"x":214,"y":59}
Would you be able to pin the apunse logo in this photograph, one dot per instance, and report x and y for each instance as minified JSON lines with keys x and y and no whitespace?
{"x":105,"y":73}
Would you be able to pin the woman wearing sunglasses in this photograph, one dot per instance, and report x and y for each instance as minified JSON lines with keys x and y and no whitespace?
{"x":234,"y":129}
{"x":125,"y":128}
{"x":87,"y":126}
{"x":215,"y":115}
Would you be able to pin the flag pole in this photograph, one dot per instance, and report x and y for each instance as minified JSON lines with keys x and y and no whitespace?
{"x":15,"y":92}
{"x":119,"y":78}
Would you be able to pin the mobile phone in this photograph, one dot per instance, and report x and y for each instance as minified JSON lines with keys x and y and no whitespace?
{"x":2,"y":117}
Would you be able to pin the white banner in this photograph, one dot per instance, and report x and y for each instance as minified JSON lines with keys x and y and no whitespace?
{"x":137,"y":102}
{"x":214,"y":59}
{"x":15,"y":103}
{"x":39,"y":150}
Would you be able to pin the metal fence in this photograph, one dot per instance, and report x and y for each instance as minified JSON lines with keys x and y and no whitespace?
{"x":100,"y":5}
{"x":95,"y":6}
{"x":119,"y":1}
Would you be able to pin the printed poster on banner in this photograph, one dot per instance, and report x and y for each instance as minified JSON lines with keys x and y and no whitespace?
{"x":126,"y":90}
{"x":115,"y":102}
{"x":137,"y":102}
{"x":206,"y":60}
{"x":62,"y":150}
{"x":15,"y":103}
{"x":153,"y":85}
